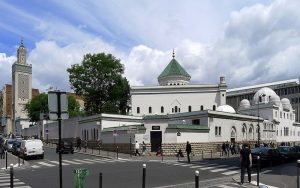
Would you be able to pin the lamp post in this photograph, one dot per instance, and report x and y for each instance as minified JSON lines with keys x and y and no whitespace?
{"x":258,"y":128}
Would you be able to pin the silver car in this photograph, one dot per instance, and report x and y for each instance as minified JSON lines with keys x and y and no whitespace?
{"x":8,"y":144}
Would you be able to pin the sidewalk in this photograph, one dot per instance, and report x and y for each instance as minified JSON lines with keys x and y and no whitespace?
{"x":147,"y":157}
{"x":11,"y":159}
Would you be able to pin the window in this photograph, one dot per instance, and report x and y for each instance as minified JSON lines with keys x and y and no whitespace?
{"x":172,"y":110}
{"x":190,"y":108}
{"x":283,"y":115}
{"x":219,"y":131}
{"x":161,"y":109}
{"x":196,"y":121}
{"x":214,"y":107}
{"x":150,"y":110}
{"x":138,"y":110}
{"x":216,"y":131}
{"x":276,"y":114}
{"x":201,"y":108}
{"x":280,"y":114}
{"x":176,"y":109}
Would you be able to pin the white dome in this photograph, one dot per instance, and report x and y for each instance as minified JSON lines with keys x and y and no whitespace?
{"x":245,"y":103}
{"x":225,"y":108}
{"x":286,"y":105}
{"x":265,"y":94}
{"x":275,"y":100}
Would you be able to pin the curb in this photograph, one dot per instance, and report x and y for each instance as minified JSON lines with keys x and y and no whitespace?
{"x":16,"y":165}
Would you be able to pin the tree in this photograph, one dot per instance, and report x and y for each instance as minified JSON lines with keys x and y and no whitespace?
{"x":99,"y":80}
{"x":39,"y":104}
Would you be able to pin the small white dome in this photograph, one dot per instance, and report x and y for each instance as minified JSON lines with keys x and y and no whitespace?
{"x":275,"y":100}
{"x":226,"y":108}
{"x":265,"y":94}
{"x":286,"y":105}
{"x":245,"y":103}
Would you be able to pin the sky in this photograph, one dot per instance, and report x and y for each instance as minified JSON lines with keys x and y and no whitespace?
{"x":247,"y":41}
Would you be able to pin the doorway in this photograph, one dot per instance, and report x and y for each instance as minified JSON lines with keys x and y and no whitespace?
{"x":155,"y":139}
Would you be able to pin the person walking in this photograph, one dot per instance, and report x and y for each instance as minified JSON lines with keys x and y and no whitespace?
{"x":1,"y":151}
{"x":188,"y":150}
{"x":78,"y":143}
{"x":144,"y":148}
{"x":224,"y":149}
{"x":227,"y":148}
{"x":246,"y":162}
{"x":137,"y":147}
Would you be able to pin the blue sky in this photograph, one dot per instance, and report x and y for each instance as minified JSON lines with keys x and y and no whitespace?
{"x":247,"y":41}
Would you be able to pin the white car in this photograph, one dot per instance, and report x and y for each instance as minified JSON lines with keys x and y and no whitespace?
{"x":30,"y":148}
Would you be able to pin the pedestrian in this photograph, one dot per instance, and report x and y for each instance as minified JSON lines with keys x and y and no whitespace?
{"x":224,"y":149}
{"x":78,"y":143}
{"x":227,"y":148}
{"x":137,"y":147}
{"x":144,"y":148}
{"x":188,"y":150}
{"x":246,"y":162}
{"x":234,"y":148}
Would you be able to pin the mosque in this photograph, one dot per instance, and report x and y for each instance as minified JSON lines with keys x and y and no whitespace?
{"x":170,"y":114}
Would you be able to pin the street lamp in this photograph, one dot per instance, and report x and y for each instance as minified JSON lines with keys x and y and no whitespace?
{"x":258,"y":128}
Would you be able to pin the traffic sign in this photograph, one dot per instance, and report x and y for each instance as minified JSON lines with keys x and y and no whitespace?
{"x":46,"y":131}
{"x":115,"y":133}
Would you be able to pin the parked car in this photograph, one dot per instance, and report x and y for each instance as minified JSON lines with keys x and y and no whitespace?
{"x":16,"y":147}
{"x":288,"y":153}
{"x":8,"y":144}
{"x":32,"y":148}
{"x":66,"y":147}
{"x":268,"y":156}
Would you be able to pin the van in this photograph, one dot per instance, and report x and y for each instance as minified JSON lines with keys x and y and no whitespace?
{"x":31,"y":148}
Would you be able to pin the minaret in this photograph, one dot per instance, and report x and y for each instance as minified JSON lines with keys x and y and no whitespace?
{"x":21,"y":87}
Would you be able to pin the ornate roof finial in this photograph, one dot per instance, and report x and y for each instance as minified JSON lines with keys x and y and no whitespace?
{"x":173,"y":54}
{"x":21,"y":44}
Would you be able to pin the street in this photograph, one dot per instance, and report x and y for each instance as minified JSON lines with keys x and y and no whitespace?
{"x":128,"y":172}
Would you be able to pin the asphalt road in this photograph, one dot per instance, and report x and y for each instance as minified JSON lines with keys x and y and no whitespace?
{"x":128,"y":173}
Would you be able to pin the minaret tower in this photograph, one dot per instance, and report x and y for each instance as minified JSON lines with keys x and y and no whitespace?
{"x":21,"y":87}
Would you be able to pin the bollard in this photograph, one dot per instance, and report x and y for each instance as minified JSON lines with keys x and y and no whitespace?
{"x":85,"y":149}
{"x":92,"y":150}
{"x":202,"y":154}
{"x":80,"y":175}
{"x":178,"y":155}
{"x":100,"y":180}
{"x":258,"y":166}
{"x":5,"y":159}
{"x":117,"y":152}
{"x":298,"y":165}
{"x":211,"y":154}
{"x":144,"y":176}
{"x":23,"y":157}
{"x":19,"y":160}
{"x":162,"y":155}
{"x":11,"y":175}
{"x":196,"y":179}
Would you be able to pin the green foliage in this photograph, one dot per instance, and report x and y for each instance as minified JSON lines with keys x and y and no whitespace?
{"x":39,"y":104}
{"x":99,"y":80}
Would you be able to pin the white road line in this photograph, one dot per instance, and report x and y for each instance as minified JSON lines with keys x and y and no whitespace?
{"x":15,"y":183}
{"x":45,"y":164}
{"x":224,"y":169}
{"x":82,"y":161}
{"x":93,"y":160}
{"x":230,"y":173}
{"x":196,"y":166}
{"x":225,"y":186}
{"x":35,"y":166}
{"x":186,"y":165}
{"x":56,"y":162}
{"x":72,"y":162}
{"x":255,"y":183}
{"x":212,"y":167}
{"x":23,"y":187}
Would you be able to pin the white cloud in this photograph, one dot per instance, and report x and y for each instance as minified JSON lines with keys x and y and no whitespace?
{"x":5,"y":68}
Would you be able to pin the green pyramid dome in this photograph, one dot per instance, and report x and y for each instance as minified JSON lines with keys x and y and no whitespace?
{"x":174,"y":69}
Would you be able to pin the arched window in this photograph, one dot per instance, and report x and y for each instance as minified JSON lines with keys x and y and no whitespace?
{"x":190,"y":108}
{"x":138,"y":110}
{"x":251,"y":135}
{"x":172,"y":110}
{"x":201,"y":108}
{"x":214,"y":107}
{"x":162,"y":109}
{"x":176,"y":109}
{"x":150,"y":110}
{"x":244,"y":131}
{"x":233,"y":132}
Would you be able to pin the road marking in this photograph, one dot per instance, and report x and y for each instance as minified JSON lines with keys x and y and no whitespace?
{"x":226,"y":186}
{"x":211,"y":167}
{"x":255,"y":183}
{"x":15,"y":183}
{"x":196,"y":166}
{"x":45,"y":164}
{"x":72,"y":162}
{"x":230,"y":173}
{"x":224,"y":169}
{"x":56,"y":162}
{"x":186,"y":165}
{"x":82,"y":161}
{"x":94,"y":160}
{"x":35,"y":166}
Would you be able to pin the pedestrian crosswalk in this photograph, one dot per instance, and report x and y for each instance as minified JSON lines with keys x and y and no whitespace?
{"x":5,"y":181}
{"x":224,"y":169}
{"x":227,"y":185}
{"x":51,"y":163}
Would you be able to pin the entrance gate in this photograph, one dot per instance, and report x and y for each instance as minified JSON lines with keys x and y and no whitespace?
{"x":155,"y":139}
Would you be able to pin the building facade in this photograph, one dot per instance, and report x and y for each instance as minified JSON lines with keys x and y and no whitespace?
{"x":289,"y":89}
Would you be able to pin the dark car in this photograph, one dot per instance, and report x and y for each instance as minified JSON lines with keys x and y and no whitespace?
{"x":288,"y":153}
{"x":268,"y":156}
{"x":66,"y":147}
{"x":15,"y":149}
